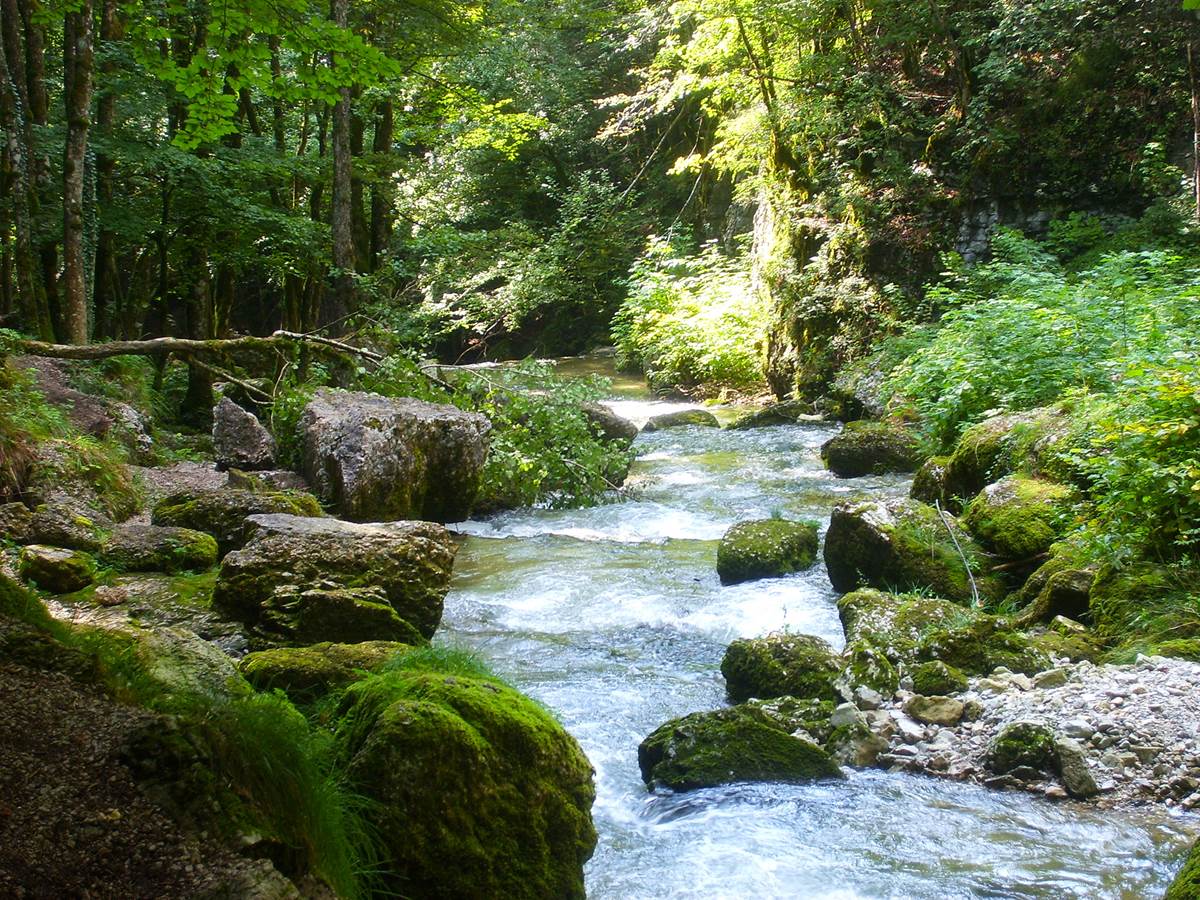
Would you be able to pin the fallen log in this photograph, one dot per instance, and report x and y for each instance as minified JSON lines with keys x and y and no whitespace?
{"x":188,"y":347}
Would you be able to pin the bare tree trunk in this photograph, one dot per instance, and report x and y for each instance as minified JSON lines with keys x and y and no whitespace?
{"x":106,"y":285}
{"x":381,"y":192}
{"x":31,"y":295}
{"x":343,"y":210}
{"x":78,"y":55}
{"x":1193,"y":52}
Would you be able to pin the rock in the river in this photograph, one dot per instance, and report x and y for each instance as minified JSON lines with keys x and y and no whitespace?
{"x":904,"y":544}
{"x":1186,"y":885}
{"x":700,"y":417}
{"x":474,"y":790}
{"x":787,"y":412}
{"x":766,"y":548}
{"x":608,"y":425}
{"x":223,"y":513}
{"x":305,"y":580}
{"x":871,"y":448}
{"x":57,"y":570}
{"x":780,"y":665}
{"x":1019,"y":517}
{"x":240,"y":441}
{"x":1022,"y":744}
{"x":306,"y":673}
{"x":741,"y":743}
{"x":153,"y":548}
{"x":374,"y":458}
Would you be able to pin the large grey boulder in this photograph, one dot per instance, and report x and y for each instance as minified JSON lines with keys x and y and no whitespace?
{"x":374,"y":458}
{"x":239,"y":440}
{"x":608,"y":425}
{"x":303,"y":580}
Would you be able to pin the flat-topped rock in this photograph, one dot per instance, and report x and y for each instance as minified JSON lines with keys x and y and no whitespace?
{"x":379,"y":458}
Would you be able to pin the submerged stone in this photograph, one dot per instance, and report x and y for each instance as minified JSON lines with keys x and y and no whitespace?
{"x":766,"y":548}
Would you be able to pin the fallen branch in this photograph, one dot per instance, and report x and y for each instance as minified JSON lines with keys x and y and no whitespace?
{"x":967,"y":565}
{"x":188,"y":347}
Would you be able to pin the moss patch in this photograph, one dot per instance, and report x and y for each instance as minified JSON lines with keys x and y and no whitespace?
{"x":1186,"y":885}
{"x":792,"y":665}
{"x":1019,"y":517}
{"x":936,"y":678}
{"x":307,"y":673}
{"x":222,"y":513}
{"x":1022,"y":744}
{"x":150,"y":548}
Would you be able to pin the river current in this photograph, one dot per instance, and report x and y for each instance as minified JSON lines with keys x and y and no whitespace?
{"x":614,"y":618}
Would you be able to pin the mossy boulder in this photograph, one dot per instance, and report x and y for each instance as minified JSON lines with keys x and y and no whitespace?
{"x":1075,"y":645}
{"x":223,"y":512}
{"x":1182,"y":648}
{"x":62,"y":523}
{"x":55,"y":569}
{"x":1028,"y":442}
{"x":865,"y":665}
{"x":1186,"y":885}
{"x":1020,"y":745}
{"x":787,"y":412}
{"x":780,"y":665}
{"x":766,"y":548}
{"x":154,"y":548}
{"x":474,"y":789}
{"x":1061,"y":586}
{"x":15,"y":521}
{"x":742,"y":743}
{"x":375,"y":458}
{"x":307,"y":673}
{"x":936,"y":678}
{"x":304,"y":580}
{"x":871,"y":448}
{"x":1119,"y":597}
{"x":910,"y":630}
{"x":1019,"y":517}
{"x":805,"y":718}
{"x":929,"y":482}
{"x":904,"y":544}
{"x":701,"y":418}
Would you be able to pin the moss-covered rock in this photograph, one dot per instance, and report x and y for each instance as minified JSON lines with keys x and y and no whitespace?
{"x":936,"y":678}
{"x":865,"y":665}
{"x":1119,"y":597}
{"x":1075,"y":646}
{"x":57,"y":570}
{"x":787,"y":412}
{"x":475,"y":790}
{"x":929,"y":482}
{"x":304,"y":580}
{"x":791,"y":665}
{"x":63,"y":523}
{"x":905,"y":545}
{"x":911,"y":630}
{"x":1027,"y":442}
{"x":153,"y":548}
{"x":307,"y":673}
{"x":1183,"y":648}
{"x":698,"y":417}
{"x":1022,"y":744}
{"x":766,"y":548}
{"x":1019,"y":517}
{"x":1061,"y":586}
{"x":871,"y":448}
{"x":223,"y":512}
{"x":1186,"y":885}
{"x":797,"y":716}
{"x":742,"y":743}
{"x":15,"y":520}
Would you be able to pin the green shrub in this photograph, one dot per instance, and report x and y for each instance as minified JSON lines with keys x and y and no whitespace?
{"x":691,"y":320}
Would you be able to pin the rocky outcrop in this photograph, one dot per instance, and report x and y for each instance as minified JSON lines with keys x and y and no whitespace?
{"x":742,"y":743}
{"x":1018,"y":518}
{"x":701,"y":418}
{"x":153,"y":548}
{"x":766,"y":548}
{"x":871,"y":448}
{"x":239,"y":440}
{"x":57,"y":570}
{"x":905,"y":545}
{"x":223,"y":513}
{"x":308,"y":673}
{"x":780,"y":665}
{"x":474,"y":790}
{"x":788,"y":412}
{"x":304,"y":580}
{"x":374,"y":458}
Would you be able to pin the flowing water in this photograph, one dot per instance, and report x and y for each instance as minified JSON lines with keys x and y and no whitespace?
{"x":614,"y":618}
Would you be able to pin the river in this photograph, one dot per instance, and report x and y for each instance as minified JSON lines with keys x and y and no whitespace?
{"x":614,"y":618}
